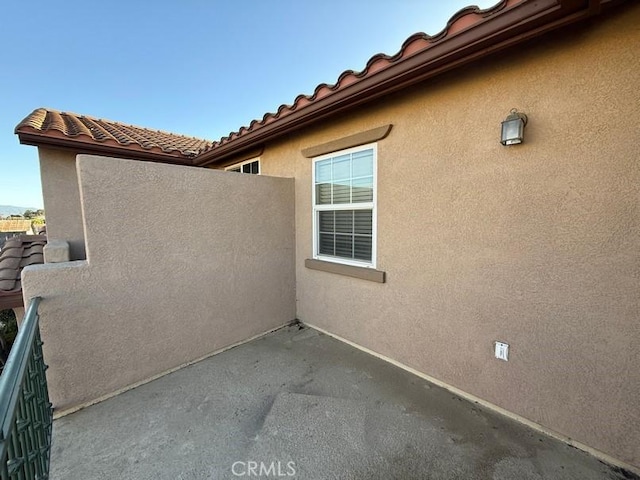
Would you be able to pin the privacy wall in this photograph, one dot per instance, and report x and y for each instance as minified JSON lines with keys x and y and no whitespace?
{"x":181,"y":262}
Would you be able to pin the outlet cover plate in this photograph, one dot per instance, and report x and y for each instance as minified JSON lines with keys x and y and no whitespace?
{"x":502,"y":351}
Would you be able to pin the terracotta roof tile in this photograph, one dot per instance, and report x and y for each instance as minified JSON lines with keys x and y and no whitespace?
{"x":461,"y":20}
{"x":11,"y":262}
{"x":7,"y":274}
{"x":16,"y":254}
{"x":470,"y":34}
{"x":52,"y":123}
{"x":15,"y":225}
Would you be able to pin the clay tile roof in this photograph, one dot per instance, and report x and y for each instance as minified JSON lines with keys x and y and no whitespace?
{"x":17,"y":253}
{"x":95,"y":133}
{"x":470,"y":34}
{"x":15,"y":225}
{"x":461,"y":20}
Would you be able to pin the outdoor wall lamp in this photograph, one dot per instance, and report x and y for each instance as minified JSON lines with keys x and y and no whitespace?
{"x":513,"y":128}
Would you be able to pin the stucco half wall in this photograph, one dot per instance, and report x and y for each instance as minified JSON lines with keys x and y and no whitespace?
{"x":536,"y":245}
{"x":181,"y":262}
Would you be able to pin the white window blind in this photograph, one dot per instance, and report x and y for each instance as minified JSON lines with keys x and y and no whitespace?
{"x":344,"y":206}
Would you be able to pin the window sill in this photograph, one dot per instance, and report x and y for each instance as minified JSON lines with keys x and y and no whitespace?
{"x":363,"y":273}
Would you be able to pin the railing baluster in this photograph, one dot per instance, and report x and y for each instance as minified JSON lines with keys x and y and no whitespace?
{"x":26,"y":415}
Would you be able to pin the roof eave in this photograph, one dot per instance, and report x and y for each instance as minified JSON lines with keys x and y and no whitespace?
{"x":11,"y":300}
{"x":514,"y":24}
{"x":78,"y":147}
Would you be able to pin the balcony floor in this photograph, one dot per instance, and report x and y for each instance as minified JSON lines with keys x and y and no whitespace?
{"x":299,"y":396}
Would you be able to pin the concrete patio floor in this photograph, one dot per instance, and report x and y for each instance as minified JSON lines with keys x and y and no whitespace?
{"x":299,"y":396}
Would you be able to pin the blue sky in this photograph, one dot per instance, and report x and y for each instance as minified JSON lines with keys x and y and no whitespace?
{"x":202,"y":68}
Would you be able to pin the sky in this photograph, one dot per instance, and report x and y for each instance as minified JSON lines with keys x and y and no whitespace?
{"x":202,"y":68}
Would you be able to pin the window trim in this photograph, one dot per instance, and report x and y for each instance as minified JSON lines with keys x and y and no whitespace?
{"x":355,"y":140}
{"x":346,"y":206}
{"x":363,"y":273}
{"x":244,"y":162}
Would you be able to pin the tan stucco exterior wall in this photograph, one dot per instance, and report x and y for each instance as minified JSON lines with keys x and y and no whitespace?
{"x":19,"y":313}
{"x":537,"y":245}
{"x":62,"y":199}
{"x":181,"y":262}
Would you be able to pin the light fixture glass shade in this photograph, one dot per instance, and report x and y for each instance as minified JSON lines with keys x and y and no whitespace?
{"x":513,"y":128}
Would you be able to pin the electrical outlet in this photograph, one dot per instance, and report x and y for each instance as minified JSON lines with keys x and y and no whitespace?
{"x":502,"y":351}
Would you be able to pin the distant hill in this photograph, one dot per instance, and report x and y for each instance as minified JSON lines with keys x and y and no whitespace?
{"x":13,"y":210}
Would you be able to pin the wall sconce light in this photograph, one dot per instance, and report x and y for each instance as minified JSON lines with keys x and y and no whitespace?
{"x":513,"y":128}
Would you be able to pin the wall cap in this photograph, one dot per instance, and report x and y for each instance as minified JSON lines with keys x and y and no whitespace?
{"x":56,"y":251}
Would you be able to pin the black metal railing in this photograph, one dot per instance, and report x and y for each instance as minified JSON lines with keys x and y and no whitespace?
{"x":26,"y":415}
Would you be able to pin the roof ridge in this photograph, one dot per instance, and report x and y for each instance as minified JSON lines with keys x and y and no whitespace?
{"x":119,"y":123}
{"x":50,"y":126}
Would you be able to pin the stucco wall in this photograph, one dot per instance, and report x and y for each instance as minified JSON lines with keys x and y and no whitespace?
{"x":536,"y":245}
{"x":181,"y":262}
{"x":62,"y":199}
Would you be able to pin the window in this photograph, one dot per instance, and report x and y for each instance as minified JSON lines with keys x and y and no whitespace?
{"x":250,"y":166}
{"x":344,"y":206}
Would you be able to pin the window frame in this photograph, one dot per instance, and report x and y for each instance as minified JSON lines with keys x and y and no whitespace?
{"x":373,"y":206}
{"x":244,"y":162}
